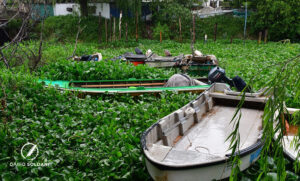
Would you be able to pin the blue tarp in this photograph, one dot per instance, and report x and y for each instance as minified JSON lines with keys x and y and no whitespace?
{"x":115,"y":12}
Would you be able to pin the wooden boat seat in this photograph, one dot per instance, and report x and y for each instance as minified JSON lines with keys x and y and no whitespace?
{"x":159,"y":152}
{"x":175,"y":126}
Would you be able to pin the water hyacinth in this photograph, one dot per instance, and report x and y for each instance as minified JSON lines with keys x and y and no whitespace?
{"x":98,"y":138}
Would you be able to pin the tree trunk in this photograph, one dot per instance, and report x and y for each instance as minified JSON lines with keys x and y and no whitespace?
{"x":99,"y":30}
{"x":180,"y":37}
{"x":136,"y":27}
{"x":83,"y":7}
{"x":194,"y":33}
{"x":216,"y":29}
{"x":259,"y":37}
{"x":266,"y":36}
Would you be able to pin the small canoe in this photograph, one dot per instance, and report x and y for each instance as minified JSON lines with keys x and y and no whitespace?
{"x":289,"y":147}
{"x":190,"y":143}
{"x":130,"y":86}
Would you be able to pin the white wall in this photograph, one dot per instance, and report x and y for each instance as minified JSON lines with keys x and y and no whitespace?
{"x":61,"y":9}
{"x":206,"y":4}
{"x":104,"y":8}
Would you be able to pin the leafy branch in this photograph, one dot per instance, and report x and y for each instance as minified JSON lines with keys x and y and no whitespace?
{"x":273,"y":126}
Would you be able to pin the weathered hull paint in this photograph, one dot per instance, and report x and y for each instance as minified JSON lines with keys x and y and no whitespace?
{"x":203,"y":173}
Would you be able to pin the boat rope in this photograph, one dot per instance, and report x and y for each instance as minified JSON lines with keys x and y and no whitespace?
{"x":208,"y":152}
{"x":203,"y":148}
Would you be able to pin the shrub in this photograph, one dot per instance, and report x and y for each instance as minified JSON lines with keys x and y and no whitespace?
{"x":104,"y":70}
{"x":13,"y":27}
{"x":65,"y":27}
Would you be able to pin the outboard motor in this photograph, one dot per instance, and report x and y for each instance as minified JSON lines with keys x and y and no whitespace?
{"x":218,"y":74}
{"x":138,"y":51}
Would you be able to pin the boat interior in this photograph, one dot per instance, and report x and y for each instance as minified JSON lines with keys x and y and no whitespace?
{"x":197,"y":133}
{"x":292,"y":130}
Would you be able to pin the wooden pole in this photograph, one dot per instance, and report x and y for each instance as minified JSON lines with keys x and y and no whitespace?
{"x":259,"y":37}
{"x":216,"y":28}
{"x":194,"y":33}
{"x":160,"y":36}
{"x":266,"y":36}
{"x":106,"y":38}
{"x":110,"y":28}
{"x":120,"y":23}
{"x":245,"y":25}
{"x":126,"y":32}
{"x":100,"y":29}
{"x":180,"y":37}
{"x":192,"y":42}
{"x":136,"y":27}
{"x":231,"y":39}
{"x":114,"y":30}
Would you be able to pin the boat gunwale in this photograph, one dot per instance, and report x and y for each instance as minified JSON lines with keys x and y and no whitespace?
{"x":128,"y":90}
{"x":288,"y":155}
{"x":126,"y":80}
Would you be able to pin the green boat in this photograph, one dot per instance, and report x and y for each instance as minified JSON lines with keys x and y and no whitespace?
{"x":130,"y":86}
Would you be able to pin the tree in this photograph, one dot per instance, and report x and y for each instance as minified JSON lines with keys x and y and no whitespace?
{"x":281,"y":18}
{"x":237,"y":3}
{"x":129,"y":6}
{"x":83,"y":7}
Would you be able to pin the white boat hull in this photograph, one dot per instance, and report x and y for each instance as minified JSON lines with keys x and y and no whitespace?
{"x":203,"y":173}
{"x":289,"y":149}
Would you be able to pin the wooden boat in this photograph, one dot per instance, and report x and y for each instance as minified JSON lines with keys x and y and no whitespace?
{"x":164,"y":62}
{"x":200,"y":66}
{"x":289,"y":147}
{"x":190,"y":143}
{"x":135,"y":59}
{"x":154,"y":61}
{"x":130,"y":86}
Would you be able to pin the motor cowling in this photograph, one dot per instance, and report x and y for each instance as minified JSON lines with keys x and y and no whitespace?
{"x":218,"y":74}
